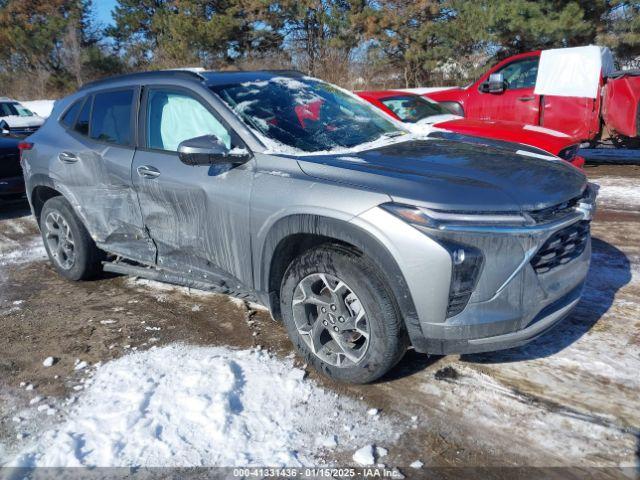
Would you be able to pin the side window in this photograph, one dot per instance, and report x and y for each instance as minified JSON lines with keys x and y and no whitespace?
{"x":111,"y":117}
{"x":173,"y":117}
{"x":69,"y":118}
{"x":521,"y":74}
{"x":82,"y":124}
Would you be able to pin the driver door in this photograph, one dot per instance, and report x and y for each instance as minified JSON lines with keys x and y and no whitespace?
{"x":517,"y":103}
{"x":198,"y":216}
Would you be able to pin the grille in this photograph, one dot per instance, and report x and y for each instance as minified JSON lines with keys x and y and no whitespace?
{"x":457,"y":303}
{"x":562,"y":247}
{"x":555,"y":212}
{"x":23,"y":131}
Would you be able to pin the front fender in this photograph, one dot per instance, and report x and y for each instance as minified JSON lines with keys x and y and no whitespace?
{"x":343,"y":231}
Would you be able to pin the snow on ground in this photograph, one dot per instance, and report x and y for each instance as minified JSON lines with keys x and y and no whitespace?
{"x":574,"y":391}
{"x":16,"y":245}
{"x":40,"y":107}
{"x":619,"y":192}
{"x":190,"y":406}
{"x":12,"y":252}
{"x":568,"y":436}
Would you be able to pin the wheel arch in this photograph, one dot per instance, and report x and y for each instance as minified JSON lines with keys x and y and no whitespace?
{"x":41,"y":189}
{"x":294,"y":234}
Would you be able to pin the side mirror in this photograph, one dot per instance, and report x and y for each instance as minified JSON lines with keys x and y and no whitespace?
{"x":496,"y":83}
{"x":209,"y":150}
{"x":4,"y":128}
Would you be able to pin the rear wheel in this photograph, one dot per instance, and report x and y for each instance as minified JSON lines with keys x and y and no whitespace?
{"x":71,"y":249}
{"x":341,"y":316}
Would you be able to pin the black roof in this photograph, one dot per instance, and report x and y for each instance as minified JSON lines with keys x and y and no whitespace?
{"x":209,"y":77}
{"x":224,"y":78}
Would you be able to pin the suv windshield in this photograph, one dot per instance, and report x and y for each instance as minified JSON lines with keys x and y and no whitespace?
{"x":306,"y":114}
{"x":412,"y":108}
{"x":8,"y":109}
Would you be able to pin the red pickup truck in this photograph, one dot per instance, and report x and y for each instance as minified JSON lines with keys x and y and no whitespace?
{"x":572,"y":90}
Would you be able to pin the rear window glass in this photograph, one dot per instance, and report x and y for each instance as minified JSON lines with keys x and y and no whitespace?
{"x":69,"y":118}
{"x":82,"y":125}
{"x":111,"y":117}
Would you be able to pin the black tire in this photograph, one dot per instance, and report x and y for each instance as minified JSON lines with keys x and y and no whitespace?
{"x":388,"y":339}
{"x":87,"y":259}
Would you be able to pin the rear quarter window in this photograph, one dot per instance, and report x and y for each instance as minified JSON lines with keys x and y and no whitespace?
{"x":111,"y":117}
{"x":69,"y":118}
{"x":82,"y":125}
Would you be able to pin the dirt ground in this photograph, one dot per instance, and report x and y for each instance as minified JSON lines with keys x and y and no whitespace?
{"x":571,"y":398}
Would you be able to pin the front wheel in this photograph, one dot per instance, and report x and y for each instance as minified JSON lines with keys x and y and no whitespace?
{"x":341,"y":315}
{"x":71,"y":249}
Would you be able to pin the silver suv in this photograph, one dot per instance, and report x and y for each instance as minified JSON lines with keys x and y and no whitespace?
{"x":361,"y":237}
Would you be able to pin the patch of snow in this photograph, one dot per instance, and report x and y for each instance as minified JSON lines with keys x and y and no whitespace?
{"x":346,"y":158}
{"x":330,"y":441}
{"x":372,"y":412}
{"x":417,"y":464}
{"x":527,"y":153}
{"x":423,"y":90}
{"x":186,"y":406}
{"x":619,"y":192}
{"x":364,"y":456}
{"x":30,"y":251}
{"x":80,"y":365}
{"x":548,"y":131}
{"x":277,"y":173}
{"x":48,"y":361}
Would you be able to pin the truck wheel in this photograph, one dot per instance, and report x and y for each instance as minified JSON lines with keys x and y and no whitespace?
{"x":71,"y":249}
{"x":341,"y":316}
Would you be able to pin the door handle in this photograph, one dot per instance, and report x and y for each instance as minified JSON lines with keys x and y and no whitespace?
{"x":526,"y":99}
{"x":68,"y":157}
{"x":147,"y":171}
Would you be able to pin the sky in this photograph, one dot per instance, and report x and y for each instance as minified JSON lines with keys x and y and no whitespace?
{"x":103,"y":9}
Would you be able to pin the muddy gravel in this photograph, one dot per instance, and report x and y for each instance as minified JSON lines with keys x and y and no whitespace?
{"x":570,"y":398}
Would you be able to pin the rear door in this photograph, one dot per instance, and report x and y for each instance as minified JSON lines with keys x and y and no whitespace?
{"x":93,"y":166}
{"x":198,"y":216}
{"x":517,"y":103}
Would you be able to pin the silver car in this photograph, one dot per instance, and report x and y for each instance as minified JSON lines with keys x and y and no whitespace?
{"x":361,"y":237}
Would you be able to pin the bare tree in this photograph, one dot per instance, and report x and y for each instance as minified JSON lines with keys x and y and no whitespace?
{"x":72,"y":52}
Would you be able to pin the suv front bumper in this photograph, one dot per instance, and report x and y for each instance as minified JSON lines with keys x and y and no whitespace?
{"x":512,"y":304}
{"x":525,"y":307}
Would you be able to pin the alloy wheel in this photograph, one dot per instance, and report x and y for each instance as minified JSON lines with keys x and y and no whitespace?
{"x":331,"y":319}
{"x":59,"y":238}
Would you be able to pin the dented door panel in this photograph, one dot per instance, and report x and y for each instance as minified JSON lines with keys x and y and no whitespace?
{"x":198,"y":216}
{"x":98,"y":184}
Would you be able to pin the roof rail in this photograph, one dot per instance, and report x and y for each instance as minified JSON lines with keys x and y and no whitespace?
{"x":187,"y":74}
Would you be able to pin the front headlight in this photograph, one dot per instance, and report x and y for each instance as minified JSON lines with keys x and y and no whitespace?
{"x":439,"y":219}
{"x":466,"y":260}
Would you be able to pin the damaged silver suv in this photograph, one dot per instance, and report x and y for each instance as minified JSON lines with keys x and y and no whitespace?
{"x":362,"y":237}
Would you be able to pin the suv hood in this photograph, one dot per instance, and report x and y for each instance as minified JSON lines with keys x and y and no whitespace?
{"x":468,"y":174}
